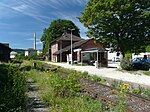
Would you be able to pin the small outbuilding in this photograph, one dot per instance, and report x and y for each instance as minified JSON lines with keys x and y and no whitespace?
{"x":30,"y":52}
{"x":4,"y":52}
{"x":13,"y":54}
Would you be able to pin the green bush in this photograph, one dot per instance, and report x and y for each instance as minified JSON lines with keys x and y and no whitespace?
{"x":128,"y":55}
{"x":65,"y":87}
{"x":96,"y":78}
{"x":147,"y":92}
{"x":20,"y":57}
{"x":83,"y":75}
{"x":148,"y":48}
{"x":26,"y":68}
{"x":136,"y":91}
{"x":12,"y":89}
{"x":126,"y":64}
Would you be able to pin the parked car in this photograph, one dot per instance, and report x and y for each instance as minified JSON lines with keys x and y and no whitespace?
{"x":116,"y":59}
{"x":141,"y":63}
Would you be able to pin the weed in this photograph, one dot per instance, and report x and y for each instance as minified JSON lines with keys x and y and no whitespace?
{"x":121,"y":107}
{"x":126,"y":65}
{"x":147,"y":92}
{"x":62,"y":94}
{"x":65,"y":87}
{"x":115,"y":84}
{"x":146,"y":72}
{"x":96,"y":78}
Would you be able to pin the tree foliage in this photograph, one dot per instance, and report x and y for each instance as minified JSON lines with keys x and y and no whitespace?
{"x":122,"y":23}
{"x":148,"y":48}
{"x":56,"y":29}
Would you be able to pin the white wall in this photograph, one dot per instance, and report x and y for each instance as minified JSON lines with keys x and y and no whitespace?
{"x":111,"y":55}
{"x":13,"y":54}
{"x":26,"y":53}
{"x":30,"y":53}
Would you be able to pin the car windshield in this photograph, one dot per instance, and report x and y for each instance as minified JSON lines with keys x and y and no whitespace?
{"x":141,"y":60}
{"x":137,"y":59}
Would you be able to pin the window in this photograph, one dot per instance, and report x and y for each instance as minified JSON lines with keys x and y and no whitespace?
{"x":118,"y":54}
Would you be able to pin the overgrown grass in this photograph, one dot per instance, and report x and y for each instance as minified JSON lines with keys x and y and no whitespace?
{"x":146,"y":73}
{"x":54,"y":91}
{"x":62,"y":103}
{"x":140,"y":72}
{"x":145,"y":92}
{"x":12,"y":89}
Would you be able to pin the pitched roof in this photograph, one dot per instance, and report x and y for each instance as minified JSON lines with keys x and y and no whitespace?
{"x":67,"y":36}
{"x":76,"y":44}
{"x":13,"y":53}
{"x":31,"y":49}
{"x":6,"y":46}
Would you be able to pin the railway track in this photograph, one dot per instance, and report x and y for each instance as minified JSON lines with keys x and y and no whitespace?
{"x":109,"y":95}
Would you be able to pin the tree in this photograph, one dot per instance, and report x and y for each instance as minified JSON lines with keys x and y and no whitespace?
{"x":148,"y":48}
{"x":55,"y":30}
{"x":123,"y":24}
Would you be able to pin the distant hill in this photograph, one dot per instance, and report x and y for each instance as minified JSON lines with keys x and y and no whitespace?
{"x":19,"y":51}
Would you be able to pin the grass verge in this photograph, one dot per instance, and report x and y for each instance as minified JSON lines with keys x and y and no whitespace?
{"x":54,"y":90}
{"x":62,"y":102}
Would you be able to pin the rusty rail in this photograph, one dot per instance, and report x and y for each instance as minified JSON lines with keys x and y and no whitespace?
{"x":109,"y":95}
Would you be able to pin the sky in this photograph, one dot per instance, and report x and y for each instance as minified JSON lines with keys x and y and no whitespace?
{"x":19,"y":19}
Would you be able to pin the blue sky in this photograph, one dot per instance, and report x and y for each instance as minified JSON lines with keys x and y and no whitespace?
{"x":19,"y":19}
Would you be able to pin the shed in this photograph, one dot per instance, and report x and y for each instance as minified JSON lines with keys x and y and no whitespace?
{"x":5,"y":52}
{"x":30,"y":52}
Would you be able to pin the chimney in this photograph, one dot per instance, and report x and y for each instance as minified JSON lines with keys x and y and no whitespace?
{"x":35,"y":41}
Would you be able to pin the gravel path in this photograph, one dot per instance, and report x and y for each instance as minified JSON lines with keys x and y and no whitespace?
{"x":34,"y":102}
{"x":111,"y":73}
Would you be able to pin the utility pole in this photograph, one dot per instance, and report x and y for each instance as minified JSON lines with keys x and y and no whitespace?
{"x":71,"y":45}
{"x":48,"y":51}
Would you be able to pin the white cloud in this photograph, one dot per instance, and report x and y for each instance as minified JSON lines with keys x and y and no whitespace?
{"x":39,"y":43}
{"x":81,"y":2}
{"x":28,"y":10}
{"x":6,"y":12}
{"x":20,"y":7}
{"x":32,"y":39}
{"x":68,"y":2}
{"x":34,"y":8}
